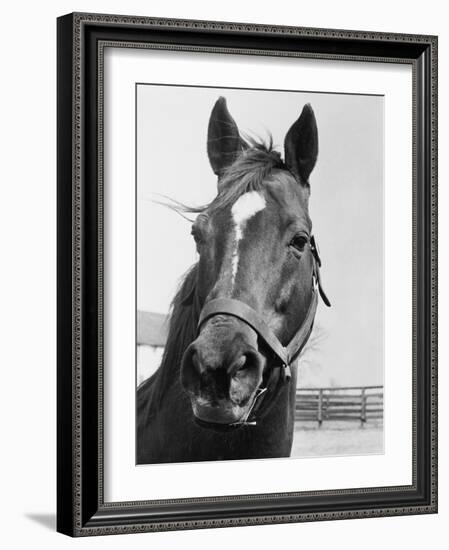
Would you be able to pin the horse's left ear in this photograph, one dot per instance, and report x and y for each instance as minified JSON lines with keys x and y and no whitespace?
{"x":223,"y":139}
{"x":301,"y":145}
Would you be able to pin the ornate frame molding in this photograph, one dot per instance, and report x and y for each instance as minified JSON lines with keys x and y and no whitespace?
{"x":81,"y":42}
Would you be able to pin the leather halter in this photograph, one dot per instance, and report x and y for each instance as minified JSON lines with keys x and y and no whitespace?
{"x":286,"y":354}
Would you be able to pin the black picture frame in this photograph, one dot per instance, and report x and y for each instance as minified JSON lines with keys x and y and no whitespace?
{"x":81,"y":509}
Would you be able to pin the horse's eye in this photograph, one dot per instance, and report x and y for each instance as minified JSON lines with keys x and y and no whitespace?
{"x":299,"y":242}
{"x":196,"y":235}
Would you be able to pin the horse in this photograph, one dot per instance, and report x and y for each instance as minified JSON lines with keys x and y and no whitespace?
{"x":226,"y":385}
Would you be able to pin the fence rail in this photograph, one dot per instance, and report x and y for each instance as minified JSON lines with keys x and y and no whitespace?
{"x":356,"y":403}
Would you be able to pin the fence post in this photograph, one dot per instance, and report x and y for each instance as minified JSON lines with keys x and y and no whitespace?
{"x":363,"y":407}
{"x":320,"y":408}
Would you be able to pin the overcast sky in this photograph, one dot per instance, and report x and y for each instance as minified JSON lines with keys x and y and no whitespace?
{"x":346,"y":207}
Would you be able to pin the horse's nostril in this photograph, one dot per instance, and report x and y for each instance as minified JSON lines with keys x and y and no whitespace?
{"x":190,"y":369}
{"x":246,"y":377}
{"x":249,"y":361}
{"x":239,"y":364}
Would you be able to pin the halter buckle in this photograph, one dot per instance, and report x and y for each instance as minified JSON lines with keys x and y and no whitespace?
{"x":315,"y":282}
{"x":315,"y":250}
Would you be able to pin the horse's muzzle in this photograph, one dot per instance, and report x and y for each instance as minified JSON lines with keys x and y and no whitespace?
{"x":221,"y":372}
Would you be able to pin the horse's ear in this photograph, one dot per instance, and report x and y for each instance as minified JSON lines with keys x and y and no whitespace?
{"x":223,"y":138}
{"x":301,"y":145}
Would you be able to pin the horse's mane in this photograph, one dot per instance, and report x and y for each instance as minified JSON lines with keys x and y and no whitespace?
{"x":184,"y":316}
{"x":247,"y":173}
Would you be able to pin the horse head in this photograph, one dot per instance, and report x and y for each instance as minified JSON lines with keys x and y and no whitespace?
{"x":257,"y":274}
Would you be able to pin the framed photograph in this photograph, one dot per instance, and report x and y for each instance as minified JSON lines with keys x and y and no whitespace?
{"x":247,"y":276}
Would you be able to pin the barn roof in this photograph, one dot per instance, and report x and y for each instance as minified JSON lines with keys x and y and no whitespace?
{"x":152,"y":328}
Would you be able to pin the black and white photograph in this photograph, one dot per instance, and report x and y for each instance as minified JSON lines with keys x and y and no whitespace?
{"x":247,"y":305}
{"x":259,"y":274}
{"x":223,"y":288}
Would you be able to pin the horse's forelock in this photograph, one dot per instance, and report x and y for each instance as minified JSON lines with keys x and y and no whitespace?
{"x":248,"y":172}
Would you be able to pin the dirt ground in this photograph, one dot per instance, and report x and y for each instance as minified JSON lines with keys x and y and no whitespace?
{"x":337,"y":439}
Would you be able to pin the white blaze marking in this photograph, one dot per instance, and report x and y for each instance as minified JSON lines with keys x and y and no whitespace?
{"x":243,"y":210}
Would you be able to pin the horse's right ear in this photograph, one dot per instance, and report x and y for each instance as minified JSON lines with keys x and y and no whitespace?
{"x":301,"y":145}
{"x":223,"y":138}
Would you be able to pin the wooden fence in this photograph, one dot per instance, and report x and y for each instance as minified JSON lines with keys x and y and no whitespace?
{"x":356,"y":403}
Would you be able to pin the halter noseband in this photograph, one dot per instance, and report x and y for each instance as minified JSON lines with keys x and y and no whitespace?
{"x":286,"y":354}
